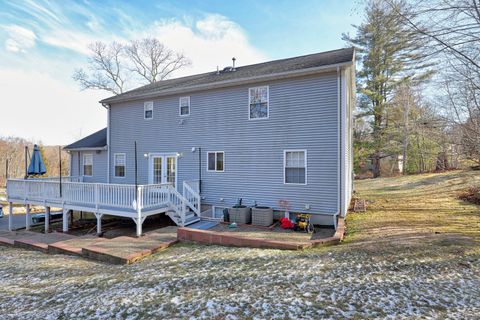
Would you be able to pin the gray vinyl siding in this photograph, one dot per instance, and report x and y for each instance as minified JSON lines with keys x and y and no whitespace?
{"x":99,"y":165}
{"x":303,"y":114}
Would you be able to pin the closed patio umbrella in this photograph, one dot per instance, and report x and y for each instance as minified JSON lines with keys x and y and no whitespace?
{"x":37,"y":166}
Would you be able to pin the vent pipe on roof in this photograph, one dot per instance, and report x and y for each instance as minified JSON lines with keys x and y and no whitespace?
{"x":218,"y":70}
{"x":233,"y":63}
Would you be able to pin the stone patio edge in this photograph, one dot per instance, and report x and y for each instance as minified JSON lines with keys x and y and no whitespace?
{"x":223,"y":238}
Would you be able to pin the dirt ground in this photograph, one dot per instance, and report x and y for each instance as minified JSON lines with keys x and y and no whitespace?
{"x":414,"y":254}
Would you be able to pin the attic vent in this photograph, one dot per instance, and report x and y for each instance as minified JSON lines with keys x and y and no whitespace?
{"x":229,"y":69}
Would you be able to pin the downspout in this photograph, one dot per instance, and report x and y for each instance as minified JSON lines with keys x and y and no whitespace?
{"x":107,"y":106}
{"x":199,"y":170}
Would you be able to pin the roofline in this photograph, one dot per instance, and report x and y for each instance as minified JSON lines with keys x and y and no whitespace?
{"x":231,"y":83}
{"x":85,"y":148}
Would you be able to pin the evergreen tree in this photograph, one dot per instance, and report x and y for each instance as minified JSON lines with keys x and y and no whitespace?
{"x":389,"y":54}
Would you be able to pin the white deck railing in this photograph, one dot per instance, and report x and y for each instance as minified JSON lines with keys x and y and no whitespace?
{"x":102,"y":195}
{"x":93,"y":195}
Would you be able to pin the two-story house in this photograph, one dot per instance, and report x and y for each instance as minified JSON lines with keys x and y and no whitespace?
{"x":278,"y":134}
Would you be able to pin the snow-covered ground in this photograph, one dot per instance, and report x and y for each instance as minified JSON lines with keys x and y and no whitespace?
{"x":210,"y":282}
{"x":414,"y":254}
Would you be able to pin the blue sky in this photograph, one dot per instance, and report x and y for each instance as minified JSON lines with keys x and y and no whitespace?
{"x":42,"y":42}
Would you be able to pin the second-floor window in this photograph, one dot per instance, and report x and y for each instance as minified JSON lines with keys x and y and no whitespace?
{"x":148,"y":110}
{"x":184,"y":105}
{"x":120,"y":164}
{"x":88,"y":165}
{"x":258,"y":103}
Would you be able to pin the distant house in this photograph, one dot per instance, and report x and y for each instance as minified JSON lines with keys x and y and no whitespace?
{"x":279,"y":130}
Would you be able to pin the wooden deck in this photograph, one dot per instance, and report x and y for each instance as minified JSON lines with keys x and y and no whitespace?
{"x":123,"y":200}
{"x":118,"y":250}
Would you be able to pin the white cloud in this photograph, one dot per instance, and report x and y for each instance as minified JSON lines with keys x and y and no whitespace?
{"x":211,"y":41}
{"x":39,"y":107}
{"x":19,"y":39}
{"x":40,"y":99}
{"x":217,"y":27}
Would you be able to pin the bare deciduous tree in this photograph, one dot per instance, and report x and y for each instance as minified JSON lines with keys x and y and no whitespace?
{"x":112,"y":67}
{"x":152,"y":61}
{"x":450,"y":30}
{"x":12,"y":150}
{"x":107,"y":69}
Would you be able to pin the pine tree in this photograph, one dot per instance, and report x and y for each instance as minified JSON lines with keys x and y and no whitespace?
{"x":389,"y":54}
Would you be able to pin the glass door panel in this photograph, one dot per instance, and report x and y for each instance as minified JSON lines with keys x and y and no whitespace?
{"x":157,"y":170}
{"x":163,"y":169}
{"x":171,"y":170}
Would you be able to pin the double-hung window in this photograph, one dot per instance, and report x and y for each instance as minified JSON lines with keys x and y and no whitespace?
{"x":216,"y":161}
{"x":120,"y":164}
{"x":148,"y":110}
{"x":258,"y":103}
{"x":295,"y":167}
{"x":184,"y":106}
{"x":88,"y":165}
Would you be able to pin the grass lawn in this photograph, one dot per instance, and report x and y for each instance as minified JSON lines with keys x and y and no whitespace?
{"x":414,"y":254}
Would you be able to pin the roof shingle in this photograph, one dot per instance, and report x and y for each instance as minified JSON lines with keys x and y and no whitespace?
{"x":246,"y":72}
{"x":95,"y":140}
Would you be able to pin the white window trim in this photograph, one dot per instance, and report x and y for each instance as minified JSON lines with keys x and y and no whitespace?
{"x":285,"y":166}
{"x":114,"y":164}
{"x":83,"y":164}
{"x":180,"y":107}
{"x":216,"y":161}
{"x":144,"y":110}
{"x":268,"y":103}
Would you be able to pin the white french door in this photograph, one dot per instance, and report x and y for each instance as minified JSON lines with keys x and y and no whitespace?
{"x":163,"y":169}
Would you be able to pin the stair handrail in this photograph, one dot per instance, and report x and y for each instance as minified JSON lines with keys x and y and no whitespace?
{"x":178,"y":206}
{"x":191,"y":195}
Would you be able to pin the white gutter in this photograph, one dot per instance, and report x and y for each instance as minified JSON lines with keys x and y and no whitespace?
{"x":86,"y":149}
{"x":231,"y":83}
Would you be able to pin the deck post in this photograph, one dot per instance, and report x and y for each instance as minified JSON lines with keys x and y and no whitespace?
{"x":139,"y":211}
{"x":184,"y":212}
{"x":99,"y":223}
{"x":47,"y":219}
{"x":65,"y":220}
{"x":27,"y":217}
{"x":10,"y":216}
